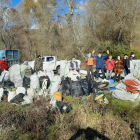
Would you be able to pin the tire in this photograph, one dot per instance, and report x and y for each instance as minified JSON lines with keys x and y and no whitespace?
{"x":58,"y":70}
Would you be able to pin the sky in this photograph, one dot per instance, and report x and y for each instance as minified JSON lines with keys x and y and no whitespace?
{"x":81,"y":2}
{"x":15,"y":2}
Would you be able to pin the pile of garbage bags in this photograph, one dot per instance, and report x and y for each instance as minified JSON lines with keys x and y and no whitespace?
{"x":21,"y":85}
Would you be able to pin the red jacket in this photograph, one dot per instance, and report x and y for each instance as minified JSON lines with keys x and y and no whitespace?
{"x":110,"y":64}
{"x":3,"y":65}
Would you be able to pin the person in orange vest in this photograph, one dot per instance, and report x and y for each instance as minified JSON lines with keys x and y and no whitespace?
{"x":90,"y":61}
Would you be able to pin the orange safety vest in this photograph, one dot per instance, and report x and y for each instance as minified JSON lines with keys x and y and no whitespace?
{"x":90,"y":61}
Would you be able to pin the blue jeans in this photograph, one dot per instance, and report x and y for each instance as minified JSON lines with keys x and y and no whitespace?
{"x":102,"y":70}
{"x":125,"y":72}
{"x":108,"y":74}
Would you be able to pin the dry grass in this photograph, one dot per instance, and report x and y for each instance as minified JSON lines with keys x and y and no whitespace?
{"x":88,"y":118}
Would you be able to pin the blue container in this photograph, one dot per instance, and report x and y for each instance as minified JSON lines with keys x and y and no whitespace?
{"x":111,"y":81}
{"x":12,"y":56}
{"x":112,"y":88}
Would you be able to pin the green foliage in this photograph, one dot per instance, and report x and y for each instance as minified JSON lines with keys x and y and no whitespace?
{"x":116,"y":50}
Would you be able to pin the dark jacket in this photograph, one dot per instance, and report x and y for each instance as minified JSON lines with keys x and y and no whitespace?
{"x":74,"y":64}
{"x":125,"y":63}
{"x":100,"y":61}
{"x":38,"y":64}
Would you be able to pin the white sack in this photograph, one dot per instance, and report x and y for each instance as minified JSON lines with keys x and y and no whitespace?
{"x":41,"y":73}
{"x":17,"y":75}
{"x":122,"y":94}
{"x":30,"y":92}
{"x":5,"y":76}
{"x":34,"y":81}
{"x":50,"y":74}
{"x":20,"y":90}
{"x":55,"y":84}
{"x":83,"y":72}
{"x":11,"y":95}
{"x":1,"y":93}
{"x":73,"y":75}
{"x":64,"y":68}
{"x":31,"y":64}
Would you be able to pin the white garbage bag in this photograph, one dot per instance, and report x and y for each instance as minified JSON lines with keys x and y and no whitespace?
{"x":31,"y":64}
{"x":27,"y":100}
{"x":5,"y":76}
{"x":83,"y":72}
{"x":41,"y":73}
{"x":64,"y":68}
{"x":74,"y":75}
{"x":20,"y":90}
{"x":55,"y":85}
{"x":30,"y":92}
{"x":50,"y":74}
{"x":1,"y":93}
{"x":34,"y":81}
{"x":17,"y":74}
{"x":11,"y":95}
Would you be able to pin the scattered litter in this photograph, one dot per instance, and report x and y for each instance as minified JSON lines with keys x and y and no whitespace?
{"x":101,"y":98}
{"x":63,"y":107}
{"x":27,"y":100}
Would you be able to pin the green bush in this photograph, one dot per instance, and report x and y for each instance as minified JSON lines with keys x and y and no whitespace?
{"x":116,"y":50}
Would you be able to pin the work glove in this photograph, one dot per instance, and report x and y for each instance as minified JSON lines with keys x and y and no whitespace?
{"x":93,"y":51}
{"x":107,"y":51}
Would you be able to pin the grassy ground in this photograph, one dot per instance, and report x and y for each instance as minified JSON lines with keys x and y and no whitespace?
{"x":87,"y":120}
